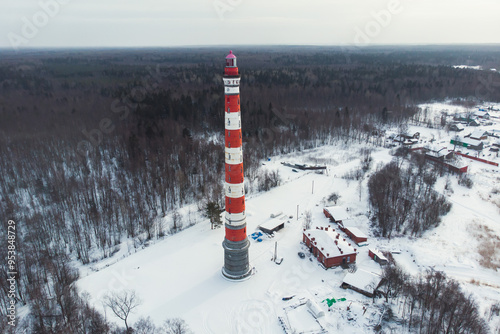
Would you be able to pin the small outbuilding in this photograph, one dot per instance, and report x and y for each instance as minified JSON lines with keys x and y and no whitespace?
{"x":271,"y":226}
{"x":329,"y":247}
{"x":377,"y":256}
{"x":362,"y":281}
{"x":336,"y":214}
{"x":356,"y":235}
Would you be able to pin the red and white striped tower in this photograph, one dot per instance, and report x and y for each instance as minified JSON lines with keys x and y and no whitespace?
{"x":236,"y":243}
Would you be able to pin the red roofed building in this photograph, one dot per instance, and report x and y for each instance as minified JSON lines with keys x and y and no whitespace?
{"x":329,"y":247}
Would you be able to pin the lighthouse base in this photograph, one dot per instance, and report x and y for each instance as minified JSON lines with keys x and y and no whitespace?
{"x":236,"y":263}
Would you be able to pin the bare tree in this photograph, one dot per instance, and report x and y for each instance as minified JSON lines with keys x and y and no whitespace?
{"x":145,"y":326}
{"x":176,"y":222}
{"x":307,"y":219}
{"x":122,"y":303}
{"x":175,"y":326}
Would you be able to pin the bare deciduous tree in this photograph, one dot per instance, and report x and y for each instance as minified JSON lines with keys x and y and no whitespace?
{"x":175,"y":326}
{"x":145,"y":326}
{"x":307,"y":219}
{"x":122,"y":303}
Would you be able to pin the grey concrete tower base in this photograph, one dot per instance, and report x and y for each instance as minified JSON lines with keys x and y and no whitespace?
{"x":236,"y":264}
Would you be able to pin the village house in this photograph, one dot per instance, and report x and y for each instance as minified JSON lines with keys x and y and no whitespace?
{"x":457,"y":127}
{"x":442,"y":156}
{"x":479,"y":135}
{"x":435,"y":152}
{"x":482,"y":114}
{"x":474,"y":122}
{"x":329,"y":247}
{"x":473,"y":144}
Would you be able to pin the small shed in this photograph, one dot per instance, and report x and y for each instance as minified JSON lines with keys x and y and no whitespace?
{"x":364,"y":282}
{"x":356,"y":235}
{"x":377,"y":256}
{"x":271,"y":226}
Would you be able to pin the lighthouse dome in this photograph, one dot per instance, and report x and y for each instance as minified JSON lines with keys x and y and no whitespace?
{"x":231,"y":59}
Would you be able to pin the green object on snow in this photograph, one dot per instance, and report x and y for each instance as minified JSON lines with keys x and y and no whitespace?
{"x":332,"y":301}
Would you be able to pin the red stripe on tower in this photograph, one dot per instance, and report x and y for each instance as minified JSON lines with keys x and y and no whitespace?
{"x":236,"y":244}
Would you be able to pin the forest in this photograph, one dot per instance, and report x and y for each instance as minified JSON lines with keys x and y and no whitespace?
{"x":99,"y":145}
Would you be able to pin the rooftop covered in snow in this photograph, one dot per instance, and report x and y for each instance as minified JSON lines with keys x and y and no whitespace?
{"x":338,"y":213}
{"x":362,"y":281}
{"x":330,"y":242}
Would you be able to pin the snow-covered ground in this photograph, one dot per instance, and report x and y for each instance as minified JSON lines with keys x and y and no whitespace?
{"x":180,"y":275}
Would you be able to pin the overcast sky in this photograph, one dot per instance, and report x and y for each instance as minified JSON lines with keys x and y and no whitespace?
{"x":114,"y":23}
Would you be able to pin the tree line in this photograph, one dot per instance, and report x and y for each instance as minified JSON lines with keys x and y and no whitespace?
{"x":430,"y":303}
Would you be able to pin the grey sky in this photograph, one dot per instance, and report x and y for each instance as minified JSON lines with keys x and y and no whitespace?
{"x":111,"y":23}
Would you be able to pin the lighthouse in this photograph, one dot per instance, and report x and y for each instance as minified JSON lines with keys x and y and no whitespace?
{"x":236,"y":243}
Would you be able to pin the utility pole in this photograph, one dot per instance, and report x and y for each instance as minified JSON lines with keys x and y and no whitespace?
{"x":275,"y":251}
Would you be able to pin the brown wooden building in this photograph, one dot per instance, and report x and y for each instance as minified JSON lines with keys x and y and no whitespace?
{"x":329,"y":247}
